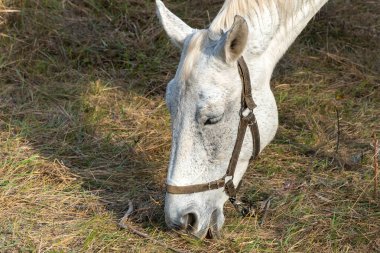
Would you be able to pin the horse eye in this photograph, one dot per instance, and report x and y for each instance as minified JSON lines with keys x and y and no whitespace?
{"x":213,"y":120}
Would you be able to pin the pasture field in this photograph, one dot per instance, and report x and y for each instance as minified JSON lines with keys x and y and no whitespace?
{"x":84,"y":130}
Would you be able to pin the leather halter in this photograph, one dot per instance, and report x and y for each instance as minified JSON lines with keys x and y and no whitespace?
{"x":247,"y":119}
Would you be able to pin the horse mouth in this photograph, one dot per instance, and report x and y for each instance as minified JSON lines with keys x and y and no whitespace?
{"x":212,"y":231}
{"x":213,"y":234}
{"x":206,"y":224}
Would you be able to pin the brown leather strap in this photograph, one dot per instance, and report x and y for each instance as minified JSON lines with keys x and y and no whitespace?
{"x":245,"y":121}
{"x":255,"y":137}
{"x":247,"y":103}
{"x":248,"y":120}
{"x":195,"y":187}
{"x":247,"y":100}
{"x":237,"y":148}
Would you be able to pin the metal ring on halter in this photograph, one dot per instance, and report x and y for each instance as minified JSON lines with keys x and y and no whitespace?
{"x":242,"y":110}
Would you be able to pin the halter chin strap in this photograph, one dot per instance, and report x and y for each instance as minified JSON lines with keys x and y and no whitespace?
{"x":247,"y":119}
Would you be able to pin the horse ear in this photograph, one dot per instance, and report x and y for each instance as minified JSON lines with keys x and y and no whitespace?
{"x":176,"y":29}
{"x":235,"y":40}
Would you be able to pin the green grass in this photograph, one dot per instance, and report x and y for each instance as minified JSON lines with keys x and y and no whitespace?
{"x":84,"y":130}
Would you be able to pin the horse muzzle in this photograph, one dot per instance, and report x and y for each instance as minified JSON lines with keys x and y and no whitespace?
{"x":201,"y":220}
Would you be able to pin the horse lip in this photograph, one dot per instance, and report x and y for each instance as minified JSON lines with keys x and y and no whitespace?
{"x":198,"y":234}
{"x":211,"y":231}
{"x":208,"y":233}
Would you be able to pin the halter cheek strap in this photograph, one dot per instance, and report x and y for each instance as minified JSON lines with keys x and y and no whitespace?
{"x":247,"y":119}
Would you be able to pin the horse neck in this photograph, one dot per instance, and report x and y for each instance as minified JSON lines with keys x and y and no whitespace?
{"x":274,"y":25}
{"x":292,"y":26}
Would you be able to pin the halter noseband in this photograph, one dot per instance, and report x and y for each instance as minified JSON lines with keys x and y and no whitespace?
{"x":247,"y":119}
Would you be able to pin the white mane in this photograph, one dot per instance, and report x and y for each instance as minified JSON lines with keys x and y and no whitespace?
{"x":253,"y":9}
{"x":266,"y":16}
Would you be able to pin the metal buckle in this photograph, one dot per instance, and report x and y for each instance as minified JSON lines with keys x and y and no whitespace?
{"x":239,"y":207}
{"x":230,"y":189}
{"x":247,"y":114}
{"x":246,"y":111}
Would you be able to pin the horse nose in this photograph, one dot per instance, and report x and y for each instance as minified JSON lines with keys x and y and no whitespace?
{"x":189,"y":221}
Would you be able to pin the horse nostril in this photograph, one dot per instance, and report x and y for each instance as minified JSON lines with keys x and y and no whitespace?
{"x":190,"y":221}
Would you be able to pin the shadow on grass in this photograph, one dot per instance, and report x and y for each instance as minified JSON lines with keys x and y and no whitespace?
{"x":74,"y":84}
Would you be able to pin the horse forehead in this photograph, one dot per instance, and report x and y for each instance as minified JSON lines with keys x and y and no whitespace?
{"x":196,"y":79}
{"x":204,"y":86}
{"x":198,"y":46}
{"x":201,"y":97}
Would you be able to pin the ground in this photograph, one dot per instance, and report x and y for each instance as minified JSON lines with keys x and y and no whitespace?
{"x":84,"y":130}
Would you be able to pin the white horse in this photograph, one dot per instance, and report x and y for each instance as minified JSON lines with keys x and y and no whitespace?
{"x":204,"y":99}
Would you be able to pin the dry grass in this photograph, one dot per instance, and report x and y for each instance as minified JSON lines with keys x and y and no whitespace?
{"x":84,"y":129}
